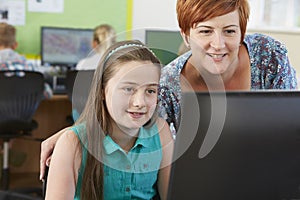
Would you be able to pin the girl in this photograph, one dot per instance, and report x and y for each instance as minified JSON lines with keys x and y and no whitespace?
{"x":118,"y":148}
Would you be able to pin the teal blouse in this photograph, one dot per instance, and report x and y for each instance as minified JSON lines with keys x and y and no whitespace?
{"x":131,"y":175}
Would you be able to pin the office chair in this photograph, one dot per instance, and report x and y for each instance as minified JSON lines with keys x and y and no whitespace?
{"x":78,"y":84}
{"x":21,"y":94}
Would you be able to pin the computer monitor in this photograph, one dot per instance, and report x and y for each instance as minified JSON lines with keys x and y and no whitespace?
{"x":164,"y":43}
{"x":65,"y":46}
{"x":237,"y":145}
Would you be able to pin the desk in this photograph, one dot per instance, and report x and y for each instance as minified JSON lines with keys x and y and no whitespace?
{"x":51,"y":117}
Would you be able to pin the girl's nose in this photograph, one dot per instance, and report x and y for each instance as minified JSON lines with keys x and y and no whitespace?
{"x":138,"y":99}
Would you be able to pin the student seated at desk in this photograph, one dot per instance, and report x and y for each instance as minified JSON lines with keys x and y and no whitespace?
{"x":104,"y":36}
{"x":10,"y":59}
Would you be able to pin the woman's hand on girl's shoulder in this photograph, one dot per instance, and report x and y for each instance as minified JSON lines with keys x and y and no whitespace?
{"x":47,"y":147}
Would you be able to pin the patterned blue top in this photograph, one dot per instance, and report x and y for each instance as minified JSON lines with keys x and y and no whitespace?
{"x":11,"y":60}
{"x":131,"y":175}
{"x":270,"y":69}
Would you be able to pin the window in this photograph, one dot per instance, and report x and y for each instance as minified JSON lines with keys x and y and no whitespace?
{"x":275,"y":14}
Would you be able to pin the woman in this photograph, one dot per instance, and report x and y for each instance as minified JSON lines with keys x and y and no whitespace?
{"x":222,"y":57}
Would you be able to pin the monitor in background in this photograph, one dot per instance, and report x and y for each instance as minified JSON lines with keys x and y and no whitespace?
{"x":64,"y":46}
{"x":164,"y":44}
{"x":255,"y":156}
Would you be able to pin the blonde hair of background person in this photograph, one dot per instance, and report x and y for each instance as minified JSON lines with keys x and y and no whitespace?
{"x":103,"y":37}
{"x":119,"y":125}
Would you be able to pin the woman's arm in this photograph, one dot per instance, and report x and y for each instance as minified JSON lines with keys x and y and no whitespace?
{"x":167,"y":143}
{"x":47,"y":147}
{"x":63,"y":170}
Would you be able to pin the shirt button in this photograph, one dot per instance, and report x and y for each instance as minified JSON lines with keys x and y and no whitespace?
{"x":127,"y":189}
{"x":128,"y":167}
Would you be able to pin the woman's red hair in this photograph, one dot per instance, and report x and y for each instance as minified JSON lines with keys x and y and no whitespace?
{"x":190,"y":12}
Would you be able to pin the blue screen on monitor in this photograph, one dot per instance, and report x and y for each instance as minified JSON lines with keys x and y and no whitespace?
{"x":65,"y":46}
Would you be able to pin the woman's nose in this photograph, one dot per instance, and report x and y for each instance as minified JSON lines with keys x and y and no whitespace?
{"x":217,"y":42}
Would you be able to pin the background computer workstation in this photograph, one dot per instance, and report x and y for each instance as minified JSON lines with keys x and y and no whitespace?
{"x":61,"y":49}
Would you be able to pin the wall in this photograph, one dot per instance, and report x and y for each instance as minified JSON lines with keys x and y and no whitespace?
{"x":154,"y":15}
{"x":77,"y":14}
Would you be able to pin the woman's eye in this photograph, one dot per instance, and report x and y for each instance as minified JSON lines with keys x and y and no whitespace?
{"x":151,"y":91}
{"x":205,"y":32}
{"x":230,"y":32}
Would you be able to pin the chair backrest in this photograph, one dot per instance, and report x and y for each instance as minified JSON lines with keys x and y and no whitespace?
{"x":21,"y":93}
{"x":70,"y":79}
{"x":78,"y":83}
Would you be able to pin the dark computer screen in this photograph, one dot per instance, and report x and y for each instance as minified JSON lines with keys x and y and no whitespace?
{"x":237,"y":145}
{"x":64,"y":46}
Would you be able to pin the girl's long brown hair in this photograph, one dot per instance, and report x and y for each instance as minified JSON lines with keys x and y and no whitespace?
{"x":96,"y":117}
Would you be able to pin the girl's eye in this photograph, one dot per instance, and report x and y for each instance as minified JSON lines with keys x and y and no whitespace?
{"x":128,"y":89}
